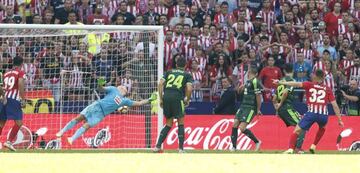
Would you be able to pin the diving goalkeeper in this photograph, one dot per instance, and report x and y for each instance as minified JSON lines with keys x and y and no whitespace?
{"x":96,"y":112}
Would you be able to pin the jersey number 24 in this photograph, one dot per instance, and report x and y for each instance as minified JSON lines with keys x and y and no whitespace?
{"x":172,"y":81}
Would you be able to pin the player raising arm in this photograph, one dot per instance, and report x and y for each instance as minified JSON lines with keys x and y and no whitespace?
{"x":171,"y":93}
{"x":13,"y":100}
{"x":250,"y":106}
{"x":317,"y":97}
{"x":98,"y":110}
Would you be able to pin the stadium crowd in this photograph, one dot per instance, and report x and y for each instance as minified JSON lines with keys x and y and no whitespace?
{"x":218,"y":38}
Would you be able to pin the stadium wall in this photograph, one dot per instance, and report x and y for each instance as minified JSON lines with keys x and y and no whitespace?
{"x":202,"y":132}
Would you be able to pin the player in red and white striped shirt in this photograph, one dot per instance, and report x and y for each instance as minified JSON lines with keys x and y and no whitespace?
{"x":318,"y":97}
{"x":14,"y":86}
{"x":329,"y":77}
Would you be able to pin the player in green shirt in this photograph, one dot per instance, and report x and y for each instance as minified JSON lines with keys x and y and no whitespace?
{"x":283,"y":103}
{"x":250,"y":106}
{"x":174,"y":92}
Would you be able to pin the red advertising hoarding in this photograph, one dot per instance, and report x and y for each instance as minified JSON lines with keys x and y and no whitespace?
{"x":202,"y":132}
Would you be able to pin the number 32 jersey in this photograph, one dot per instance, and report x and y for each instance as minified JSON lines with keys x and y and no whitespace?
{"x":318,"y":96}
{"x":175,"y":82}
{"x":11,"y":83}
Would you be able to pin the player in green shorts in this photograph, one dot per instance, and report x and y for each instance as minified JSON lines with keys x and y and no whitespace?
{"x":250,"y":107}
{"x":283,"y":100}
{"x":174,"y":92}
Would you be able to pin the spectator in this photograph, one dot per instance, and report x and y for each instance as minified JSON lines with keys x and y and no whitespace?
{"x":267,"y":75}
{"x":10,"y":16}
{"x":182,"y":18}
{"x":326,"y":46}
{"x":333,"y":19}
{"x":50,"y":64}
{"x":226,"y":104}
{"x":103,"y":66}
{"x":61,"y":10}
{"x":352,"y":96}
{"x":329,"y":77}
{"x":109,"y":8}
{"x":37,"y":19}
{"x":98,"y":18}
{"x":302,"y":69}
{"x":151,"y":16}
{"x":219,"y":70}
{"x":84,"y":11}
{"x":199,"y":81}
{"x":129,"y":18}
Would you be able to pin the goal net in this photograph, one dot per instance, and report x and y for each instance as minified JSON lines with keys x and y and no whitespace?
{"x":62,"y":64}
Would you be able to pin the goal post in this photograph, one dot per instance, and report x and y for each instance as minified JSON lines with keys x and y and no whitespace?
{"x":62,"y":63}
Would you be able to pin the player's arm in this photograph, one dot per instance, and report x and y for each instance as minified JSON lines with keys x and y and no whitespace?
{"x":258,"y":102}
{"x":188,"y":91}
{"x":288,"y":83}
{"x":145,"y":101}
{"x":22,"y":91}
{"x":161,"y":90}
{"x":337,"y":112}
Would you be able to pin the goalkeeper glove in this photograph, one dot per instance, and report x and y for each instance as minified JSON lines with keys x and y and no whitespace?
{"x":153,"y":97}
{"x":101,"y":81}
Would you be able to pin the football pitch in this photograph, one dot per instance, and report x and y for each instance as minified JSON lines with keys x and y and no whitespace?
{"x":99,"y":161}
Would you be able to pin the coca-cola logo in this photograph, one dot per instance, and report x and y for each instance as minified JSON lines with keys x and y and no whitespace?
{"x":101,"y":137}
{"x":215,"y":137}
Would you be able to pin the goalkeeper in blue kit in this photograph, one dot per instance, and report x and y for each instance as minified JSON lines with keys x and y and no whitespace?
{"x":98,"y":110}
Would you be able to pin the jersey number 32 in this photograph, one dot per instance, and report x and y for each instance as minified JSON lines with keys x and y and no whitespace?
{"x":317,"y":96}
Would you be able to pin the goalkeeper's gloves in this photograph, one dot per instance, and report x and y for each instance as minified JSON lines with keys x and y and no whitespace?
{"x":153,"y":97}
{"x":101,"y":81}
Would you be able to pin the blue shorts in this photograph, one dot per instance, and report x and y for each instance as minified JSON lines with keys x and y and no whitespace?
{"x":11,"y":111}
{"x":93,"y":114}
{"x":310,"y":118}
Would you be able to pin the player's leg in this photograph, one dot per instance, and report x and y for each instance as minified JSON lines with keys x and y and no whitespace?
{"x":13,"y":111}
{"x":304,"y":124}
{"x":321,"y":121}
{"x":181,"y":133}
{"x":70,"y":125}
{"x":250,"y":134}
{"x":234,"y":132}
{"x":292,"y":118}
{"x":164,"y":132}
{"x":245,"y":116}
{"x":2,"y":124}
{"x":79,"y":132}
{"x":92,"y":116}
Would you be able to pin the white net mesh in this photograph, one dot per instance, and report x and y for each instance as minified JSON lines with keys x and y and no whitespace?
{"x":62,"y":67}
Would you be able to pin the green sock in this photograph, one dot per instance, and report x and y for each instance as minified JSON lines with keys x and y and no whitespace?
{"x":249,"y":134}
{"x":300,"y":139}
{"x":234,"y":136}
{"x":162,"y":136}
{"x":181,"y":135}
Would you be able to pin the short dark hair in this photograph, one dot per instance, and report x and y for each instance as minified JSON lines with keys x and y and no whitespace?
{"x":181,"y":62}
{"x":17,"y":61}
{"x":319,"y":73}
{"x":253,"y":70}
{"x":326,"y":51}
{"x":288,"y":68}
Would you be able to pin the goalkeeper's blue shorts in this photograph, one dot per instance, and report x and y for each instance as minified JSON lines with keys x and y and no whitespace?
{"x":93,"y":114}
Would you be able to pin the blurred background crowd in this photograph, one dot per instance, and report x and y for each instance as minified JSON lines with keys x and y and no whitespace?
{"x":218,"y":38}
